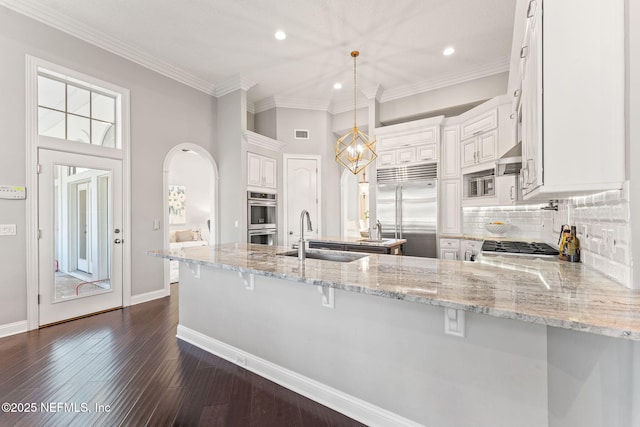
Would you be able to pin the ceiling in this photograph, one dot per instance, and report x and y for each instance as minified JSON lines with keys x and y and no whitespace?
{"x":214,"y":45}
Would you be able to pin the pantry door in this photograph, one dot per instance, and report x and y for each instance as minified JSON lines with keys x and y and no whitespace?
{"x":301,"y":191}
{"x":80,"y":202}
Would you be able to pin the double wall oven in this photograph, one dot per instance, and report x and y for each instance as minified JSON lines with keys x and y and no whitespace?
{"x":262,"y":215}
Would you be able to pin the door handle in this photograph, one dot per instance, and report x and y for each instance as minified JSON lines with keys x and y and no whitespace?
{"x":117,"y":241}
{"x":291,"y":233}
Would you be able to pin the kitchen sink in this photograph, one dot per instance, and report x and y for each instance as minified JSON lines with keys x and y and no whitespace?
{"x":336,"y":256}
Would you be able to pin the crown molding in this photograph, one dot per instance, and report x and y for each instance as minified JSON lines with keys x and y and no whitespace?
{"x":374,"y":92}
{"x":345,"y":106}
{"x":498,"y":66}
{"x":299,"y":104}
{"x":232,"y":84}
{"x":262,"y":141}
{"x":55,"y":19}
{"x":265,"y":104}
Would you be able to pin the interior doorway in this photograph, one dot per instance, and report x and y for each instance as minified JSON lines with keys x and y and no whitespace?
{"x":301,"y":178}
{"x":190,"y":197}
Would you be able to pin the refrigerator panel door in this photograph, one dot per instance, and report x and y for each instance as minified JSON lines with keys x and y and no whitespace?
{"x":386,"y":209}
{"x":419,"y":208}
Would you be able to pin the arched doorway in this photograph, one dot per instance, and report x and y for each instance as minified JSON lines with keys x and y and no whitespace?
{"x":190,"y":185}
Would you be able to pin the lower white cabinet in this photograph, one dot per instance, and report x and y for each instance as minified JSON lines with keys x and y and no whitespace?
{"x":471,"y":249}
{"x":450,"y":249}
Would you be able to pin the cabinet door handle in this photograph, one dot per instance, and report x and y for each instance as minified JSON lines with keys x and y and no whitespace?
{"x":478,"y":155}
{"x":531,"y":10}
{"x":523,"y":52}
{"x":511,"y":192}
{"x":474,"y":157}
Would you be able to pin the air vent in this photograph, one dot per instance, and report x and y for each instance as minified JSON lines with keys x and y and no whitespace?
{"x":301,"y":133}
{"x":408,"y":173}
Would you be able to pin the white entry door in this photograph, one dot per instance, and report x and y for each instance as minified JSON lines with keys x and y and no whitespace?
{"x":302,"y":191}
{"x":80,"y":249}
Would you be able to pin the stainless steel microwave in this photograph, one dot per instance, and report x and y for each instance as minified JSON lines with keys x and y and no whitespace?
{"x":480,"y":186}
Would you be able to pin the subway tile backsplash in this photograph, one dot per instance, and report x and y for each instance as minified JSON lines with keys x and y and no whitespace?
{"x":602,"y":222}
{"x":603,"y":225}
{"x":527,"y":222}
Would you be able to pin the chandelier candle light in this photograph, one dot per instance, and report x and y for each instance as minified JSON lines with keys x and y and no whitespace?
{"x":355,"y":150}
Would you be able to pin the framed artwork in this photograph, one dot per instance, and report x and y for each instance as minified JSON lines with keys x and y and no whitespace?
{"x":177,"y":204}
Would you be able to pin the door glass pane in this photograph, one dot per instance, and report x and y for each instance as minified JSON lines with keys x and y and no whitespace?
{"x":103,"y":134}
{"x":51,"y":93}
{"x":77,"y":128}
{"x":51,"y":123}
{"x":103,"y":107}
{"x":78,"y":100}
{"x":82,"y":222}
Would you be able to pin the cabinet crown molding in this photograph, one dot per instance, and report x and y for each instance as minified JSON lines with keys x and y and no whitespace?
{"x":262,"y":141}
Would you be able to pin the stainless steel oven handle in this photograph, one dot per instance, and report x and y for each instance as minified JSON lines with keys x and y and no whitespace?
{"x":262,"y":232}
{"x":261,"y":203}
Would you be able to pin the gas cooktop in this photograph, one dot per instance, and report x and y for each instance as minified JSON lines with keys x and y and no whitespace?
{"x":518,"y":248}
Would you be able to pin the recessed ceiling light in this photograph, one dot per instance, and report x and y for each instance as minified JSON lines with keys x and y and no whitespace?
{"x":448,"y":51}
{"x":280,"y":35}
{"x":337,"y":86}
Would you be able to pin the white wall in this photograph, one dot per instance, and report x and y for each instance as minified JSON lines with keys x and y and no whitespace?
{"x":414,"y":106}
{"x":163,"y":113}
{"x":321,"y":143}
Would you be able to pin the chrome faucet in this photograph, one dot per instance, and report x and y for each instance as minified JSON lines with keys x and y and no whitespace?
{"x":302,"y":250}
{"x":378,"y":230}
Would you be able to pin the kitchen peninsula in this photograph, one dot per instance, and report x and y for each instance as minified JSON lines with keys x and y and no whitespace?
{"x":368,"y":337}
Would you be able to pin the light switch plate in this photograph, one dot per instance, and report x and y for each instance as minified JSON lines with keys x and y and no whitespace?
{"x":8,"y":229}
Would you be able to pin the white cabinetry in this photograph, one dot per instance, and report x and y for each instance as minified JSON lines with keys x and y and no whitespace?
{"x":481,"y":123}
{"x":508,"y":190}
{"x":450,"y":161}
{"x":580,"y":148}
{"x":450,"y":249}
{"x":450,"y":208}
{"x":408,"y":143}
{"x":480,"y":148}
{"x":471,"y":249}
{"x":479,"y":137}
{"x":262,"y":171}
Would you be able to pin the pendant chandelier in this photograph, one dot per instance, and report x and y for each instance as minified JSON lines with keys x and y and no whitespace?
{"x":355,"y":150}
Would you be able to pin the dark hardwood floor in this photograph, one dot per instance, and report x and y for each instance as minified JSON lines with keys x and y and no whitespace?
{"x":130,"y":362}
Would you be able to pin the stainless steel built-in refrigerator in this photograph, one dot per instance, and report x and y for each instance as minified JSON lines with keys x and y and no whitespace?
{"x":407,"y":207}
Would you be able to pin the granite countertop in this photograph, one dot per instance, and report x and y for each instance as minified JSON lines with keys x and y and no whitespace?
{"x":362,"y":241}
{"x":547,"y":292}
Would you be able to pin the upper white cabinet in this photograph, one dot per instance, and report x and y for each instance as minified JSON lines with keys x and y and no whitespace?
{"x":262,"y":171}
{"x":476,"y":125}
{"x":450,"y":162}
{"x":573,"y":83}
{"x":408,"y":143}
{"x":480,"y":148}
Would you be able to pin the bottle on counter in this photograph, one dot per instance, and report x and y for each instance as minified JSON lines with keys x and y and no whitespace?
{"x":573,"y":246}
{"x":565,"y":234}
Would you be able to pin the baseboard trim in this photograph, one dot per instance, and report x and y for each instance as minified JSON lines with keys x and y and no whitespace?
{"x":344,"y":403}
{"x":14,"y":328}
{"x":148,"y":296}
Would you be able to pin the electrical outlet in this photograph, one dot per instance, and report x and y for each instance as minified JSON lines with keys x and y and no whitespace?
{"x":612,"y":240}
{"x":7,"y":229}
